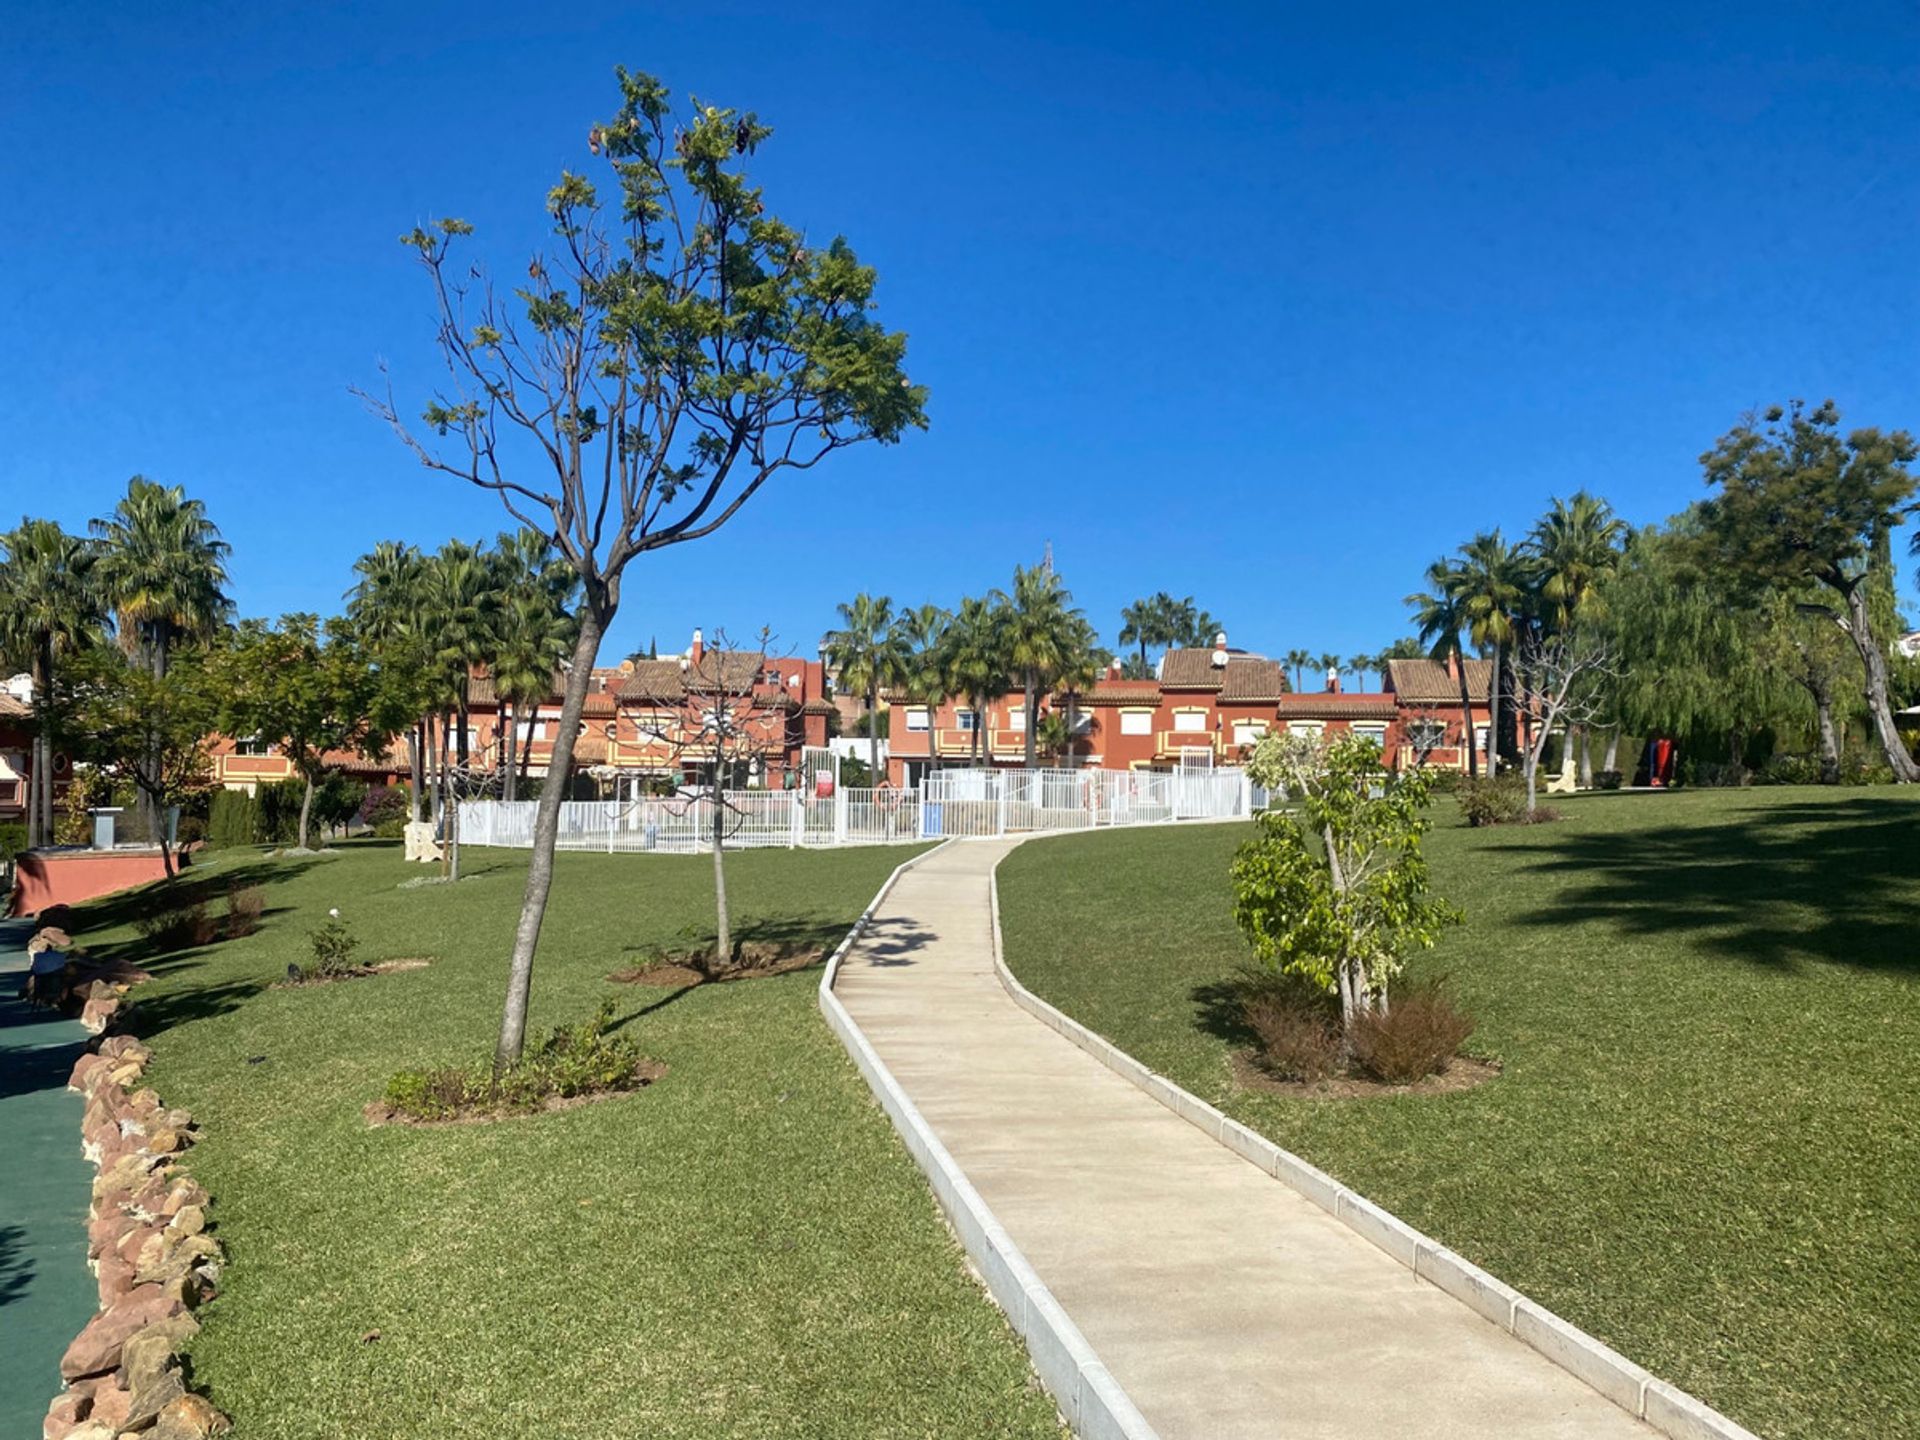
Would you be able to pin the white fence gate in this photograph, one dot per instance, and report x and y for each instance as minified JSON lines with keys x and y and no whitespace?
{"x":951,"y":804}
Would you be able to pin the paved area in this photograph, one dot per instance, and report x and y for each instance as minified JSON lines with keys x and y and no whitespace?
{"x":1226,"y":1305}
{"x":46,"y":1292}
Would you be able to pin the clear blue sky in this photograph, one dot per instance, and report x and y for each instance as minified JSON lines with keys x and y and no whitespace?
{"x":1266,"y":304}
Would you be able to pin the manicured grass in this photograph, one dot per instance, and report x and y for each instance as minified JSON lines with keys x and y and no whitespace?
{"x":742,"y":1249}
{"x":1705,"y":1146}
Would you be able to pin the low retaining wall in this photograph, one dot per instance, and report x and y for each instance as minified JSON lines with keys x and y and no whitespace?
{"x":1667,"y":1409}
{"x":47,"y":878}
{"x":1088,"y":1396}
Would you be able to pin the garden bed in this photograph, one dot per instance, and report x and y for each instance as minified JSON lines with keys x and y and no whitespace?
{"x":1464,"y":1072}
{"x":754,"y":959}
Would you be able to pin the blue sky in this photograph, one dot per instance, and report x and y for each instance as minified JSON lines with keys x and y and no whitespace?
{"x":1266,"y":304}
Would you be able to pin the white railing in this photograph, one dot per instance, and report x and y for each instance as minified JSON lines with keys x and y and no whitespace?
{"x":951,"y":803}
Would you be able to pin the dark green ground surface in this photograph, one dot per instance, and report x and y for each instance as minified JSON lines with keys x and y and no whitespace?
{"x":46,"y":1291}
{"x":741,"y":1250}
{"x":1705,"y":1146}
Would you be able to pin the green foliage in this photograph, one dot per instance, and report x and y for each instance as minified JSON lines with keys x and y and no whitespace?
{"x":13,"y":840}
{"x":579,"y":1059}
{"x":244,"y":906}
{"x":1495,"y":801}
{"x":1337,"y":892}
{"x":332,"y":943}
{"x":233,"y":818}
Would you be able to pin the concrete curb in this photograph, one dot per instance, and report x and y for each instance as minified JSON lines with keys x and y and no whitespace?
{"x":1086,"y":1394}
{"x":1668,"y":1410}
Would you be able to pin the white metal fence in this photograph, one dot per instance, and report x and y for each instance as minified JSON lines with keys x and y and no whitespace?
{"x":951,"y":803}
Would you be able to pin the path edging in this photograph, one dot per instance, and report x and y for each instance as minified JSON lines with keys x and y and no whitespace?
{"x":1665,"y":1407}
{"x":1087,"y":1395}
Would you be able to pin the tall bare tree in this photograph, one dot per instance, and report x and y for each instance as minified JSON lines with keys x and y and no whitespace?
{"x":678,"y":349}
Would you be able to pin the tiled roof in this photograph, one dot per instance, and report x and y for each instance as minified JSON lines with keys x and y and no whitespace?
{"x":1332,"y":705}
{"x":1249,"y":677}
{"x":1426,"y":682}
{"x":12,"y":709}
{"x":1127,"y":693}
{"x":1190,"y":670}
{"x":731,"y":670}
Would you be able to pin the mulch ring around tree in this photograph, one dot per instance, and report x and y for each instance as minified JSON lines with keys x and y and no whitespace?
{"x":1463,"y":1072}
{"x":296,"y":981}
{"x":753,"y":960}
{"x":379,"y":1112}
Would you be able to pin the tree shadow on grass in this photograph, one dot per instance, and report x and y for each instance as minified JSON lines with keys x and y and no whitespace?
{"x":1219,"y":1012}
{"x":1832,"y":882}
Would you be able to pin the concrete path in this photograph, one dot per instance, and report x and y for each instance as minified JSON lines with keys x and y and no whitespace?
{"x":1226,"y":1305}
{"x":46,"y":1291}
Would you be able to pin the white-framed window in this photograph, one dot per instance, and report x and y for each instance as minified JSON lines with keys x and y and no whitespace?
{"x":963,"y":719}
{"x":1136,"y":722}
{"x":1248,"y":732}
{"x":1427,"y":734}
{"x":1017,"y":719}
{"x":917,"y":718}
{"x":531,"y":730}
{"x":251,"y":745}
{"x":1190,"y":722}
{"x":1480,"y":738}
{"x":1373,"y":730}
{"x":1309,"y":728}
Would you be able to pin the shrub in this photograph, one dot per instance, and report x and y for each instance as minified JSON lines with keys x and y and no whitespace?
{"x":244,"y":904}
{"x":1714,"y":775}
{"x":575,"y":1060}
{"x":1608,"y":779}
{"x":178,"y":926}
{"x":280,"y":802}
{"x":190,"y":831}
{"x":233,"y":818}
{"x":1416,"y":1038}
{"x":333,"y":944}
{"x":1494,"y":800}
{"x":1296,"y":1028}
{"x":13,"y":841}
{"x":384,"y":804}
{"x":1859,"y":770}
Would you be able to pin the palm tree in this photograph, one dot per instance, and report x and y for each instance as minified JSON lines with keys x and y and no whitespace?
{"x":385,"y":607}
{"x":1042,"y":629}
{"x":870,"y":653}
{"x":50,"y":605}
{"x":1495,"y":580}
{"x":1084,"y":660}
{"x":926,"y":631}
{"x":1204,"y":629}
{"x":1298,"y":660}
{"x":1441,"y":618}
{"x":1177,"y":619}
{"x":1576,"y":545}
{"x":161,"y":567}
{"x":1139,"y":625}
{"x":1358,"y":666}
{"x":533,"y":633}
{"x":1328,"y":661}
{"x":974,"y":662}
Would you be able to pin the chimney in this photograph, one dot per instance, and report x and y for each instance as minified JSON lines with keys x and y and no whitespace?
{"x":1333,"y":679}
{"x":1453,"y":664}
{"x":696,"y":649}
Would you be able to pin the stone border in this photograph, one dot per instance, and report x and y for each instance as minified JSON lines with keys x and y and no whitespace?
{"x":1667,"y":1409}
{"x":1087,"y":1395}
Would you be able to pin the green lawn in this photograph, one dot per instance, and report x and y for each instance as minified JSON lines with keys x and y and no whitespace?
{"x":1705,"y":1146}
{"x":741,"y":1250}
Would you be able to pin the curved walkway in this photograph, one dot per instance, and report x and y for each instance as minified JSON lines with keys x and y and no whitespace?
{"x":46,"y":1291}
{"x":1227,"y":1306}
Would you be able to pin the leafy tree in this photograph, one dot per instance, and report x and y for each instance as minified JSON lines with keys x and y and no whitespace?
{"x":1334,"y":889}
{"x":385,"y":608}
{"x":1797,"y":505}
{"x":1139,"y":625}
{"x":870,"y":652}
{"x":1328,"y":661}
{"x":1297,"y":661}
{"x":306,"y":689}
{"x":1494,"y":580}
{"x":926,"y":631}
{"x":1575,"y":547}
{"x":532,"y":635}
{"x":679,"y":349}
{"x":1360,"y":666}
{"x":147,"y":726}
{"x":50,"y":607}
{"x":1441,"y":614}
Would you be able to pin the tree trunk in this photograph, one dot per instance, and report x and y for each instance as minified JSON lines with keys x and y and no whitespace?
{"x":413,"y":773}
{"x":1610,"y":761}
{"x":1829,"y":745}
{"x":33,"y":791}
{"x":1027,"y":693}
{"x":873,"y":731}
{"x":1584,"y":775}
{"x":509,"y":713}
{"x":723,"y":922}
{"x":306,"y":809}
{"x":1493,"y":715}
{"x":546,"y":829}
{"x":1466,"y":711}
{"x":1879,"y":708}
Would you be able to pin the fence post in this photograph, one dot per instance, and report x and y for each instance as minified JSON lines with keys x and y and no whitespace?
{"x":1001,"y":823}
{"x":839,"y":814}
{"x":796,"y":818}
